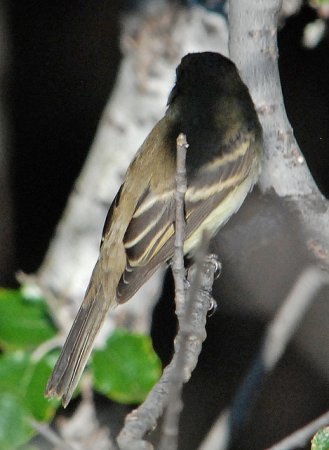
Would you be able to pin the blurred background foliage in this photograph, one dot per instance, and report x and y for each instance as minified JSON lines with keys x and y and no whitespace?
{"x":124,"y":370}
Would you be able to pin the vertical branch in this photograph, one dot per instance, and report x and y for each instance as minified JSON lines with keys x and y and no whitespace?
{"x":145,"y":417}
{"x":178,"y":268}
{"x":253,"y":47}
{"x":188,"y":343}
{"x":175,"y":405}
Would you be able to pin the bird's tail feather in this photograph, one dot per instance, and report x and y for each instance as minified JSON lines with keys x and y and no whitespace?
{"x":79,"y":342}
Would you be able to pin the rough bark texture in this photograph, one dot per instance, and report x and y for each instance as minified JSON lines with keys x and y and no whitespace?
{"x":253,"y":46}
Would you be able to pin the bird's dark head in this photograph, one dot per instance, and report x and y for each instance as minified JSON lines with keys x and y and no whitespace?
{"x":203,"y":74}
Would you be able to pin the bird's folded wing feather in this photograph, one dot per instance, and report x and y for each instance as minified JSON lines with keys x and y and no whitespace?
{"x":149,"y":239}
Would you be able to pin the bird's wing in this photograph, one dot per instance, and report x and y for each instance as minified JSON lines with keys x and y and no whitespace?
{"x":149,"y":239}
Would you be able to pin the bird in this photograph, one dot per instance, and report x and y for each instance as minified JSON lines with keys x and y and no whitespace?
{"x":212,"y":106}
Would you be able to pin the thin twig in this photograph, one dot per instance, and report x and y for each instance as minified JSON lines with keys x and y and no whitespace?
{"x":144,"y":418}
{"x":300,"y":437}
{"x":278,"y":335}
{"x":51,"y":436}
{"x":178,"y":268}
{"x":290,"y":314}
{"x":169,"y":435}
{"x":188,"y":342}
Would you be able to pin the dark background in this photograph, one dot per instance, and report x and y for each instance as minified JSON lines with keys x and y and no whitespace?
{"x":63,"y":63}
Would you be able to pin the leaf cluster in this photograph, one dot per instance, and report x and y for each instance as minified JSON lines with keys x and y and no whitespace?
{"x":124,"y":370}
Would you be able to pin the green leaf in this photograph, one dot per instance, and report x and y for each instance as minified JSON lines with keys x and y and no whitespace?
{"x":321,"y":440}
{"x":14,"y":428}
{"x":12,"y":369}
{"x":24,"y":323}
{"x":37,"y":376}
{"x":318,"y":3}
{"x":127,"y":368}
{"x":22,"y":383}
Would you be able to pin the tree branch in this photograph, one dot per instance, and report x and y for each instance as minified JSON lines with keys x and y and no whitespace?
{"x":144,"y":418}
{"x":278,"y":335}
{"x":191,"y":311}
{"x":51,"y":436}
{"x":184,"y":306}
{"x":300,"y":437}
{"x":253,"y":47}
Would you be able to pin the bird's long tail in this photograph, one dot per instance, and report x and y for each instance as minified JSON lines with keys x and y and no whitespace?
{"x":80,"y":340}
